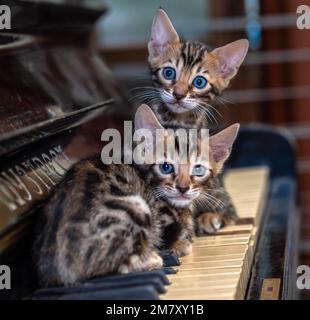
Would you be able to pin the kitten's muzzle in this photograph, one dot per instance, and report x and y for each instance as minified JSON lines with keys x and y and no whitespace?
{"x":182,"y":189}
{"x":178,"y":96}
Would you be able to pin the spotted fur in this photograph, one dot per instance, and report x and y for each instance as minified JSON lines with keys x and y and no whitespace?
{"x":109,"y":219}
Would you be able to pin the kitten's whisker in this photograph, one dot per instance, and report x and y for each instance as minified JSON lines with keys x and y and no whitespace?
{"x":214,"y":109}
{"x":202,"y":202}
{"x":158,"y":192}
{"x":207,"y":113}
{"x":216,"y":190}
{"x":145,"y":88}
{"x":218,"y":202}
{"x":147,"y":92}
{"x":211,"y":115}
{"x":206,"y":204}
{"x":225,"y":100}
{"x":143,"y":95}
{"x":196,"y":114}
{"x":221,"y":103}
{"x":213,"y":197}
{"x":142,"y":98}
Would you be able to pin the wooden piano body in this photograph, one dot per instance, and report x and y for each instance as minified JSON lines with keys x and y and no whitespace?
{"x":57,"y":96}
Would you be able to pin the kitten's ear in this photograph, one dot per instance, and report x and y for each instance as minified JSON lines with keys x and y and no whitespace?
{"x":163,"y":34}
{"x":146,"y":119}
{"x":230,"y":57}
{"x":221,"y":143}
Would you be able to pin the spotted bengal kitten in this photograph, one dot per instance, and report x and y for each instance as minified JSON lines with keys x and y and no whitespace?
{"x":188,"y":77}
{"x":105,"y":219}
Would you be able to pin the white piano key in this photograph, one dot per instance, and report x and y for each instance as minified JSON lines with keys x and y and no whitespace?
{"x":219,"y":266}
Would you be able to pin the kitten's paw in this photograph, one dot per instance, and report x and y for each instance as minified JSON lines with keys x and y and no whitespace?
{"x":182,"y":248}
{"x":154,"y":261}
{"x":142,"y":263}
{"x":209,"y":223}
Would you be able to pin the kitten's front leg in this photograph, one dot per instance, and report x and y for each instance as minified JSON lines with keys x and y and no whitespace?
{"x":210,"y":222}
{"x":215,"y":214}
{"x":182,"y":247}
{"x":183,"y":244}
{"x":145,"y":262}
{"x":152,"y":261}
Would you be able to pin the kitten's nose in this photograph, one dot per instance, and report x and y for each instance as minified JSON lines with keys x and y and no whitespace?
{"x":183,"y":189}
{"x":178,"y":96}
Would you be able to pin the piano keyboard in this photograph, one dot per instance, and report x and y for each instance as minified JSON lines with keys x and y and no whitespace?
{"x":219,"y":266}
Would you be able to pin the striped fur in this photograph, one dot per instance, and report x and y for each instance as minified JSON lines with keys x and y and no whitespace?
{"x":100,"y":220}
{"x":189,"y":59}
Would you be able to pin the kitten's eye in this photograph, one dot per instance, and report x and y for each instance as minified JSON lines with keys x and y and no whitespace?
{"x":199,"y":82}
{"x":166,"y":168}
{"x":199,"y":170}
{"x":169,"y":73}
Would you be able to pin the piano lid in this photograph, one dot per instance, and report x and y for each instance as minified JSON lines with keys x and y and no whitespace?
{"x":14,"y":140}
{"x":45,"y":77}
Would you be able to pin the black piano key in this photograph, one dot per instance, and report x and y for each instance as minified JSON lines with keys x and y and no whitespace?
{"x":170,"y":259}
{"x":170,"y":270}
{"x":155,"y":278}
{"x":104,"y":285}
{"x":146,"y":292}
{"x":158,"y":273}
{"x":156,"y":282}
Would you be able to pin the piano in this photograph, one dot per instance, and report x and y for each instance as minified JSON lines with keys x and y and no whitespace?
{"x":57,"y":96}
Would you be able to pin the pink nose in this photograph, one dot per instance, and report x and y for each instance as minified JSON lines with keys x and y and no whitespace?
{"x":178,"y":96}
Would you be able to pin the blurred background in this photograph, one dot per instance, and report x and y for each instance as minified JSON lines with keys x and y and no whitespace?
{"x":273,"y":84}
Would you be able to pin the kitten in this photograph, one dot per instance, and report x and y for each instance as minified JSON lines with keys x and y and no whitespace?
{"x":106,"y":219}
{"x":188,"y":78}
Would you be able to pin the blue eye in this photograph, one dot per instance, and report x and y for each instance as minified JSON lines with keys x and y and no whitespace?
{"x":199,"y":82}
{"x":169,"y":73}
{"x":199,"y":170}
{"x":166,"y":168}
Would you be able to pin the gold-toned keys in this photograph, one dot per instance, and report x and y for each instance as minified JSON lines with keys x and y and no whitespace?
{"x":221,"y":257}
{"x":221,"y":241}
{"x":219,"y":266}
